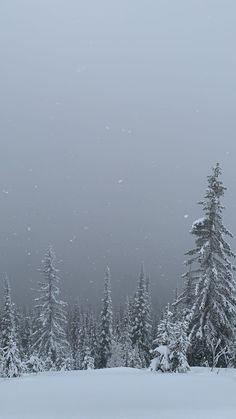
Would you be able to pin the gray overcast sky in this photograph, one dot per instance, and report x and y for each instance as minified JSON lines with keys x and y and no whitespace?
{"x":111,"y":115}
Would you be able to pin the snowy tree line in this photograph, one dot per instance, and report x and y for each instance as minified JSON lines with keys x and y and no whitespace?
{"x":197,"y":329}
{"x":54,"y":337}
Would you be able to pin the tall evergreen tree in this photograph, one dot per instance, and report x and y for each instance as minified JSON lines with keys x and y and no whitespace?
{"x":106,"y":323}
{"x":23,"y":328}
{"x":126,"y":338}
{"x":213,"y":311}
{"x":50,"y":337}
{"x":141,"y":322}
{"x":74,"y":335}
{"x":92,"y":334}
{"x":10,"y":354}
{"x":86,"y":336}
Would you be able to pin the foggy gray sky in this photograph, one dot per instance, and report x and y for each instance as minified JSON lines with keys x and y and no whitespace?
{"x":111,"y":115}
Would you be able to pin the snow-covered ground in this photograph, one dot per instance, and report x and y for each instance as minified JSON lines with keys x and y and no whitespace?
{"x":120,"y":393}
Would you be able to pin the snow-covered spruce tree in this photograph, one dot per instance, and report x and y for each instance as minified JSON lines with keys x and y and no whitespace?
{"x":50,"y":338}
{"x":23,"y":325}
{"x":88,"y":361}
{"x":182,"y":310}
{"x":74,"y":335}
{"x":135,"y":361}
{"x":34,"y":364}
{"x":186,"y":298}
{"x":117,"y":355}
{"x":10,"y":354}
{"x":171,"y":345}
{"x":165,"y":332}
{"x":117,"y":323}
{"x":25,"y":332}
{"x":179,"y":347}
{"x":141,"y":323}
{"x":93,"y":340}
{"x":165,"y":337}
{"x":117,"y":358}
{"x":149,"y":314}
{"x":106,"y":323}
{"x":175,"y":307}
{"x":129,"y":353}
{"x":84,"y":339}
{"x":123,"y":353}
{"x":83,"y":335}
{"x":213,"y":312}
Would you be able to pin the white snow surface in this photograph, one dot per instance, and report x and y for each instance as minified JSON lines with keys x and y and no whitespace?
{"x":120,"y":393}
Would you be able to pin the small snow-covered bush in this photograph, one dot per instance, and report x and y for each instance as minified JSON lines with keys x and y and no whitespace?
{"x":35,"y":364}
{"x":162,"y":360}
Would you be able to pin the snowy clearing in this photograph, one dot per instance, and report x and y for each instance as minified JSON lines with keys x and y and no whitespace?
{"x":120,"y":393}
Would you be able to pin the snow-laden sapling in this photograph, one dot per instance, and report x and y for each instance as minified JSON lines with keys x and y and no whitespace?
{"x":170,"y":354}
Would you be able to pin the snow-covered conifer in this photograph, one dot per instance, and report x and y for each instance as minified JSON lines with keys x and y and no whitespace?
{"x":213,"y":312}
{"x":179,"y":347}
{"x":141,"y":323}
{"x":170,"y":353}
{"x":88,"y":361}
{"x":117,"y":358}
{"x":34,"y":364}
{"x":74,"y":335}
{"x":165,"y":332}
{"x":106,"y":323}
{"x":129,"y":354}
{"x":91,"y":337}
{"x":50,"y":337}
{"x":10,"y":355}
{"x":23,"y":322}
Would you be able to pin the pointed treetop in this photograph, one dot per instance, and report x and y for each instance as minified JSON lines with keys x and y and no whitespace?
{"x":108,"y":272}
{"x":142,"y":271}
{"x":215,"y":186}
{"x":50,"y":252}
{"x":6,"y":282}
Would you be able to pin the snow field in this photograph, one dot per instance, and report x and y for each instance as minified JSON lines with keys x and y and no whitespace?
{"x":120,"y":393}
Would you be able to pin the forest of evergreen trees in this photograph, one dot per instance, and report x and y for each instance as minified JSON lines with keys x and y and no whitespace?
{"x":197,"y":329}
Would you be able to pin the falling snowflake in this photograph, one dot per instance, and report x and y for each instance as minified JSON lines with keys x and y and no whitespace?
{"x":73,"y":239}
